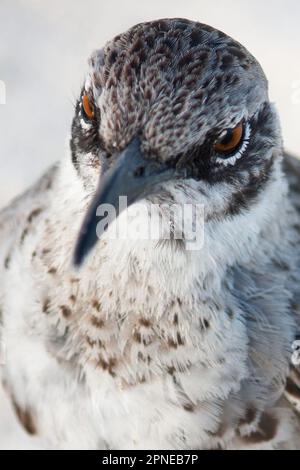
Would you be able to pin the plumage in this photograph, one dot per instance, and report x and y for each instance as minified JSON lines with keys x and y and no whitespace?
{"x":148,"y":344}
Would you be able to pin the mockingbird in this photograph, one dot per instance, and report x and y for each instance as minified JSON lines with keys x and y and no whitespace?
{"x":123,"y":343}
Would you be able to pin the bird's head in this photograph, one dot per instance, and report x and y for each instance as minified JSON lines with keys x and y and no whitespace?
{"x":174,"y":103}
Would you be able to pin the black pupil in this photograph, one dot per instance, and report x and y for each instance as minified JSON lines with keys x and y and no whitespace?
{"x":227,"y":137}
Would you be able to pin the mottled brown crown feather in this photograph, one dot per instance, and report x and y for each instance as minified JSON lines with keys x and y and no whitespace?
{"x":173,"y":80}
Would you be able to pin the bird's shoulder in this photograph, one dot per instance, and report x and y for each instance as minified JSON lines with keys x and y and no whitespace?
{"x":19,"y":214}
{"x":291,"y":167}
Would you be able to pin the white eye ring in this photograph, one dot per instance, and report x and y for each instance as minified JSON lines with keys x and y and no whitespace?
{"x":232,"y":160}
{"x":85,"y":125}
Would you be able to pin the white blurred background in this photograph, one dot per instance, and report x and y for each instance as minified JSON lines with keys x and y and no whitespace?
{"x":44,"y":46}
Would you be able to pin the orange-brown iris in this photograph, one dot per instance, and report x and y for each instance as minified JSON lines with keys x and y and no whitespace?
{"x":231,"y":141}
{"x":87,"y":107}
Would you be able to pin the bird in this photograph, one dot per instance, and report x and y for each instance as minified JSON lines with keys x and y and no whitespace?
{"x":120,"y":342}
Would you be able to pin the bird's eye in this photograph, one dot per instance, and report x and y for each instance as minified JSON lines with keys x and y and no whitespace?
{"x":230,"y":141}
{"x":88,"y":109}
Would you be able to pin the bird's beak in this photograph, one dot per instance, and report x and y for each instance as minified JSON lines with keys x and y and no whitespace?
{"x":133,"y":176}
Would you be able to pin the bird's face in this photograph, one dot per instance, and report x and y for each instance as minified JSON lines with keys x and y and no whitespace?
{"x":174,"y":104}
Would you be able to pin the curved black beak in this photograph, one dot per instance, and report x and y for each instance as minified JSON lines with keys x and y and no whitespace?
{"x":132,"y":176}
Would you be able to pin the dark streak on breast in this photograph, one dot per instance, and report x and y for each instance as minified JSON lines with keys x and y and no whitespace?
{"x":25,"y":417}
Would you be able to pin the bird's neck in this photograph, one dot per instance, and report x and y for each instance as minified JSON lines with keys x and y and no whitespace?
{"x":166,"y":268}
{"x":144,"y":306}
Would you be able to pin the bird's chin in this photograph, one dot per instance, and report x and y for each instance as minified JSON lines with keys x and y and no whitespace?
{"x":156,"y":222}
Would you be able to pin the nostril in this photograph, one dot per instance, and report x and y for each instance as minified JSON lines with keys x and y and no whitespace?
{"x":139,"y":171}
